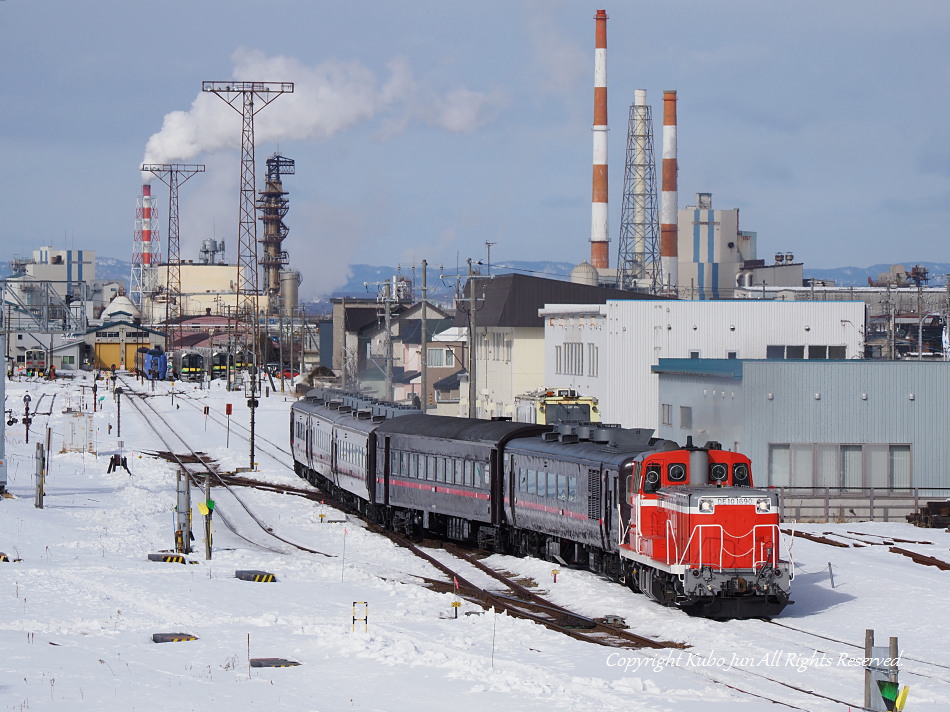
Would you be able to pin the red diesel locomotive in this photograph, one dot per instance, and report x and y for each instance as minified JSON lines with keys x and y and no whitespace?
{"x":684,"y":525}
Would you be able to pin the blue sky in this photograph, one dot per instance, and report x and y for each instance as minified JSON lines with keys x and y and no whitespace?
{"x":424,"y":129}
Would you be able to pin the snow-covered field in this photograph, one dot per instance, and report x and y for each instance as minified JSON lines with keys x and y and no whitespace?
{"x":82,"y":601}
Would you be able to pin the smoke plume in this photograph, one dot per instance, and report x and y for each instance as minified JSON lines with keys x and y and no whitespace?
{"x":327,"y":98}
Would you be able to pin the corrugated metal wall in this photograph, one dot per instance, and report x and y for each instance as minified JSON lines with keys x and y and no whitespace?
{"x":642,"y":332}
{"x":859,"y":403}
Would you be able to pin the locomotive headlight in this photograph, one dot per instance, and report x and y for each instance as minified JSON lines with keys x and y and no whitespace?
{"x":705,"y":506}
{"x":763,"y":506}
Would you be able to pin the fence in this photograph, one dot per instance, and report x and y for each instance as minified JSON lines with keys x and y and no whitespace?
{"x":832,"y":504}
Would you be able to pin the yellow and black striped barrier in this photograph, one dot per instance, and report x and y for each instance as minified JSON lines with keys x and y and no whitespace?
{"x":273,"y":662}
{"x":172,"y":637}
{"x":170,"y":559}
{"x":258,"y":576}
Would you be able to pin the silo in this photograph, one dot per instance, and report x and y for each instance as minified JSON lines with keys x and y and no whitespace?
{"x":289,"y":290}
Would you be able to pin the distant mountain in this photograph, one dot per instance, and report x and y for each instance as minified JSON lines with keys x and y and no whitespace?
{"x":441,"y":286}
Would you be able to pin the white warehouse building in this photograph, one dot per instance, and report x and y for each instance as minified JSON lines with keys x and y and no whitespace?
{"x":608,"y":350}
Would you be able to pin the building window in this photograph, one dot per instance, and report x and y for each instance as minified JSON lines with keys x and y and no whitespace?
{"x":558,"y":363}
{"x":837,"y":352}
{"x":817,"y":352}
{"x":666,"y":414}
{"x":694,"y":354}
{"x":573,"y":358}
{"x":840,"y":466}
{"x":69,"y":360}
{"x":592,"y":359}
{"x":780,"y":461}
{"x":732,"y":354}
{"x":439,"y":358}
{"x":686,"y":417}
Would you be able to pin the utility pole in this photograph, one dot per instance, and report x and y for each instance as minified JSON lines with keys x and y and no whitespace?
{"x":472,"y":391}
{"x":424,"y":339}
{"x":386,"y":296}
{"x":387,"y":299}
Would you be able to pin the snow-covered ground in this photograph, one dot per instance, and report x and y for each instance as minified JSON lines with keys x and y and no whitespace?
{"x":82,"y":601}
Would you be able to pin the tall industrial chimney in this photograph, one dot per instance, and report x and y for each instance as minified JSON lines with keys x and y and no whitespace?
{"x":146,"y":226}
{"x":599,"y":247}
{"x":669,"y":253}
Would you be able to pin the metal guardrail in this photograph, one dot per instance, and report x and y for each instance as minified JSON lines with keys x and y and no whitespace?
{"x":852,"y":504}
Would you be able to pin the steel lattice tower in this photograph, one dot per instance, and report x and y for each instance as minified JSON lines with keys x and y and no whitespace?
{"x":240,"y":96}
{"x":170,"y":174}
{"x":146,"y":247}
{"x":247,"y":278}
{"x":273,"y":206}
{"x":638,"y":262}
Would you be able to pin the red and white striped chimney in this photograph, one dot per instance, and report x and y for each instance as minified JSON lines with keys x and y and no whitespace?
{"x":599,"y":256}
{"x":669,"y":252}
{"x":146,"y":225}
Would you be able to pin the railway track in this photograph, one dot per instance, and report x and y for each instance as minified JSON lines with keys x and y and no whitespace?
{"x":916,"y":557}
{"x":520,"y":601}
{"x":198,"y":466}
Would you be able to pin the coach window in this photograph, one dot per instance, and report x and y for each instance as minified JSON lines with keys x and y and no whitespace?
{"x":531,"y":482}
{"x":571,"y":489}
{"x":562,"y":487}
{"x":440,"y":469}
{"x":480,"y":476}
{"x":542,"y":490}
{"x":522,"y":480}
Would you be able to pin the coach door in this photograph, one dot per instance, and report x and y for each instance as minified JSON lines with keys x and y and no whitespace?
{"x":595,"y":503}
{"x":387,"y":468}
{"x":496,"y":479}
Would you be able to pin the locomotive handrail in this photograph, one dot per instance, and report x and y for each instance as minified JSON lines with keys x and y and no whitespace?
{"x":678,"y":559}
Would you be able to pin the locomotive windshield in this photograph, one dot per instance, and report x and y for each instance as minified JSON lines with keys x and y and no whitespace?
{"x":567,"y":413}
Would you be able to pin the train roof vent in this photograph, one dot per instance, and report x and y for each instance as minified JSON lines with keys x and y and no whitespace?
{"x":566,"y":429}
{"x":333,"y":405}
{"x":550,"y":437}
{"x":568,"y":438}
{"x":363,"y":414}
{"x":345,"y":408}
{"x":378,"y":418}
{"x":600,"y":435}
{"x":583,"y":432}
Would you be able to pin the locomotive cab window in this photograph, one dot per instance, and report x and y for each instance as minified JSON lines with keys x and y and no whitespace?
{"x":651,"y":479}
{"x":740,"y":475}
{"x":718,"y":473}
{"x":677,"y":472}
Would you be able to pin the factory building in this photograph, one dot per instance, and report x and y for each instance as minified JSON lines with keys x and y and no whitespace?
{"x":204,"y":286}
{"x":71,"y":274}
{"x":716,"y":257}
{"x":840,"y":424}
{"x":607,"y":350}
